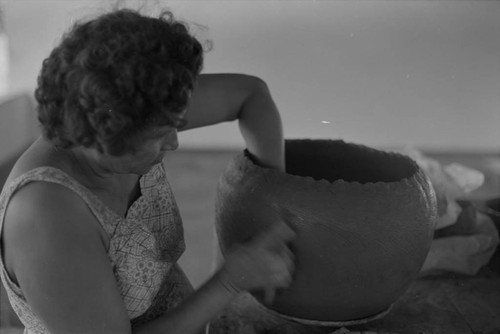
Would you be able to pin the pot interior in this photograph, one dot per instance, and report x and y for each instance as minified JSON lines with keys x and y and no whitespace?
{"x":334,"y":160}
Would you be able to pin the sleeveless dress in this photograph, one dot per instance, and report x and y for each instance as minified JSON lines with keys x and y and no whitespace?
{"x":143,"y":247}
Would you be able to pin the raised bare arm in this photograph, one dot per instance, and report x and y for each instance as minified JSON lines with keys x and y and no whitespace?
{"x":227,"y":97}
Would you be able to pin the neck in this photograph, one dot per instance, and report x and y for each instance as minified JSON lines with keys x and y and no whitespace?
{"x":95,"y":172}
{"x":117,"y":190}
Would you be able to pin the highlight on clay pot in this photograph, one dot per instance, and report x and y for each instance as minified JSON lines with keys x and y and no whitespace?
{"x":364,"y":220}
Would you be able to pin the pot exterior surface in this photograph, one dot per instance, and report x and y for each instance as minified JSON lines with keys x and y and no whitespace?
{"x":364,"y":221}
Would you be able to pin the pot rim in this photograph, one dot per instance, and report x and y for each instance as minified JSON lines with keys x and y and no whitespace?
{"x":277,"y":176}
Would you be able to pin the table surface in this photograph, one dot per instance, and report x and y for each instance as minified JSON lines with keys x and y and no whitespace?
{"x":451,"y":304}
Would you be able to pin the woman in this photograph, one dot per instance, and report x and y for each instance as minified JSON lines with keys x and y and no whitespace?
{"x":89,"y":228}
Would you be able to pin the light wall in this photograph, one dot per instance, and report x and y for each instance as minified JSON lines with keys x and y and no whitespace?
{"x":382,"y":73}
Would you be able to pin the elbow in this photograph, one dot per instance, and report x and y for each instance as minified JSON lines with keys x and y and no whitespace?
{"x":254,"y":86}
{"x":258,"y":98}
{"x":259,"y":86}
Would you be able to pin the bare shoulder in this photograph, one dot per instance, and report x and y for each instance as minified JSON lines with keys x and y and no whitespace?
{"x":43,"y":214}
{"x":55,"y":253}
{"x":41,"y":211}
{"x":48,"y":208}
{"x":40,"y":153}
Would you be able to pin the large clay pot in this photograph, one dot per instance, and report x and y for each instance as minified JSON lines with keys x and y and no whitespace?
{"x":364,"y":220}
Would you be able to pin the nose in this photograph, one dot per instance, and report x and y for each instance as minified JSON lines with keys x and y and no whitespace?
{"x":171,"y":142}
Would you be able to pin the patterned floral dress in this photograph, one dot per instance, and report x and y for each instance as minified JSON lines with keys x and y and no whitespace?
{"x":143,"y":250}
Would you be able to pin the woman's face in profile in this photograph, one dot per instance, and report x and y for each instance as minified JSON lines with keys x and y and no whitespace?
{"x":150,"y":150}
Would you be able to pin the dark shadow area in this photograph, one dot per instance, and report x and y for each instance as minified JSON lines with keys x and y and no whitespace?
{"x":334,"y":160}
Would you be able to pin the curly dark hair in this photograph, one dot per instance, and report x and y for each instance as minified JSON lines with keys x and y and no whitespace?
{"x":115,"y":75}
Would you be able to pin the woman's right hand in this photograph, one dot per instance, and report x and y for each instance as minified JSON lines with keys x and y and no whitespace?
{"x":265,"y":263}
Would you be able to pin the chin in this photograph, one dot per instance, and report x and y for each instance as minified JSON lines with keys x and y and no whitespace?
{"x":143,"y":169}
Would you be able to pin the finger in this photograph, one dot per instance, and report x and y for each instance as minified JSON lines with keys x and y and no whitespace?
{"x":279,"y":247}
{"x":278,"y":233}
{"x":285,"y":232}
{"x":283,"y":280}
{"x":286,"y":280}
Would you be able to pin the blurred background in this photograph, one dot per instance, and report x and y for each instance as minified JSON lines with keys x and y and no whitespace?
{"x":387,"y":74}
{"x":384,"y":73}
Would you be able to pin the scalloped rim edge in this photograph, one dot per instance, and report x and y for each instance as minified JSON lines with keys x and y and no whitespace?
{"x":247,"y":164}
